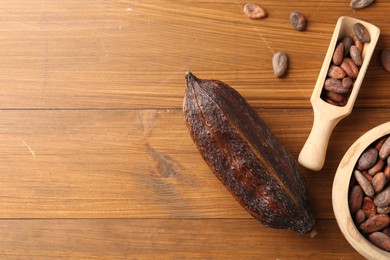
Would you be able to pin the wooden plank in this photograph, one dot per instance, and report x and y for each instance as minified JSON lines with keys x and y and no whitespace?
{"x":138,"y":164}
{"x":120,"y":54}
{"x":166,"y":238}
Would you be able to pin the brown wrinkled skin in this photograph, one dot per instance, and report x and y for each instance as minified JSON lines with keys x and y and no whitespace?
{"x":381,"y":240}
{"x":245,"y":156}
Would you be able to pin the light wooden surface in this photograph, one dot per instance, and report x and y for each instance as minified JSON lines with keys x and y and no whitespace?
{"x":95,"y":159}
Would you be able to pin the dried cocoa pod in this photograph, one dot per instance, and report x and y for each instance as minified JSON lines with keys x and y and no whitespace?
{"x":375,"y":223}
{"x":364,"y":183}
{"x":368,"y":207}
{"x":378,"y":182}
{"x":280,"y":64}
{"x":298,"y":21}
{"x":359,"y":4}
{"x":254,"y":11}
{"x":382,"y":199}
{"x":385,"y":60}
{"x":355,"y":199}
{"x":242,"y":152}
{"x":350,"y":68}
{"x":367,"y":159}
{"x":384,"y":152}
{"x":361,"y":32}
{"x":338,"y":54}
{"x":381,"y":240}
{"x":355,"y":55}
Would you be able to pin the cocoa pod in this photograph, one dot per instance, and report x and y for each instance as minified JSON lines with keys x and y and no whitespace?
{"x":375,"y":223}
{"x":359,"y":4}
{"x":384,"y":152}
{"x":385,"y":60}
{"x":254,"y":11}
{"x":381,"y":240}
{"x":367,"y":159}
{"x":350,"y":68}
{"x":355,"y":199}
{"x":298,"y":21}
{"x":361,"y":33}
{"x":280,"y":64}
{"x":382,"y":199}
{"x":378,"y":182}
{"x":338,"y":54}
{"x":364,"y":183}
{"x":355,"y":55}
{"x":242,"y":152}
{"x":368,"y":207}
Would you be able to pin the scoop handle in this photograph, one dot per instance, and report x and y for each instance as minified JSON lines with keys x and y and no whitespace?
{"x":313,"y":153}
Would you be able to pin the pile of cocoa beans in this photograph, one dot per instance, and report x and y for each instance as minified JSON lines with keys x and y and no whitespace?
{"x":369,"y":194}
{"x":344,"y":68}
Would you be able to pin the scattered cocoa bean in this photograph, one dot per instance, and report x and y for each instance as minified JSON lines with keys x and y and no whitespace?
{"x":355,"y":199}
{"x":254,"y":11}
{"x":350,"y":68}
{"x":360,"y":217}
{"x":361,"y":33}
{"x":381,"y":240}
{"x":378,"y":182}
{"x":298,"y":21}
{"x":355,"y":55}
{"x":367,"y":159}
{"x":382,"y":199}
{"x":375,"y":223}
{"x":359,"y":4}
{"x":368,"y":207}
{"x":385,"y":60}
{"x":336,"y":72}
{"x":384,"y":152}
{"x":280,"y":64}
{"x":338,"y":54}
{"x":364,"y":183}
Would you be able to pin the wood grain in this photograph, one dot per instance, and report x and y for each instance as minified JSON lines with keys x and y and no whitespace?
{"x":95,"y":159}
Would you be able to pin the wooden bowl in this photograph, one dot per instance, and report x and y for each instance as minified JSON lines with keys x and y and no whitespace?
{"x":340,"y":194}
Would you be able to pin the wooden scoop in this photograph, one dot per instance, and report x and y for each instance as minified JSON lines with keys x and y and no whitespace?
{"x":326,"y":116}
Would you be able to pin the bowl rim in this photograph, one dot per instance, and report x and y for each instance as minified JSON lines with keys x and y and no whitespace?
{"x":340,"y":194}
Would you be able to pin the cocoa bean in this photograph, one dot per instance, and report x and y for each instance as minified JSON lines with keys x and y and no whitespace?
{"x":378,"y":182}
{"x":355,"y":199}
{"x":358,"y":43}
{"x":338,"y":54}
{"x":350,"y":68}
{"x":386,"y":171}
{"x":336,"y":86}
{"x":330,"y":101}
{"x":385,"y":60}
{"x":361,"y":32}
{"x":375,"y":223}
{"x":356,"y":56}
{"x":381,"y":240}
{"x":386,"y":231}
{"x":359,"y":4}
{"x":347,"y":82}
{"x":280,"y":64}
{"x":368,"y":207}
{"x":298,"y":21}
{"x":382,"y":199}
{"x":359,"y":217}
{"x":380,"y":142}
{"x":336,"y":72}
{"x":383,"y":210}
{"x":384,"y":152}
{"x":376,"y":168}
{"x":364,"y":183}
{"x":367,"y":159}
{"x":368,"y":176}
{"x":348,"y":42}
{"x":254,"y":11}
{"x":334,"y":96}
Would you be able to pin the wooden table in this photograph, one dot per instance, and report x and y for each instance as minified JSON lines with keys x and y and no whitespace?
{"x":95,"y":158}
